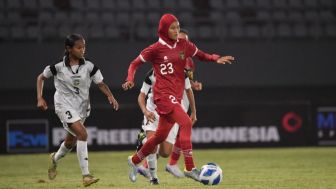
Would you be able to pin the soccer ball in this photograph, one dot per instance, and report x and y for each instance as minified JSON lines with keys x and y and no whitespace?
{"x":211,"y":174}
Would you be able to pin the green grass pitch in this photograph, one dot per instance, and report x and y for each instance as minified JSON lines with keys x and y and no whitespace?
{"x":269,"y":168}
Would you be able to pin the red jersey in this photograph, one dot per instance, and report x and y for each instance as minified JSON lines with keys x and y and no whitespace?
{"x":168,"y":63}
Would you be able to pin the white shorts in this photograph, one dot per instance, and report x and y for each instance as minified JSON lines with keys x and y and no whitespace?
{"x":171,"y":138}
{"x":68,"y":115}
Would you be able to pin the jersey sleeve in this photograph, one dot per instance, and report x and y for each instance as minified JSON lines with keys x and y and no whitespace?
{"x":97,"y":77}
{"x":191,"y":49}
{"x":187,"y":84}
{"x":147,"y":54}
{"x":47,"y":73}
{"x":145,"y":88}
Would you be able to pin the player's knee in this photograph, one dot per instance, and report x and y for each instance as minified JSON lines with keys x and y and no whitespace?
{"x":82,"y":135}
{"x":164,"y":154}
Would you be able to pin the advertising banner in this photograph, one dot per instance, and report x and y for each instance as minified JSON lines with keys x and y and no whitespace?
{"x":326,"y":126}
{"x":218,"y":126}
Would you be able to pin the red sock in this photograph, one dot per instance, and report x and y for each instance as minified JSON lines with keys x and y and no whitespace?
{"x":175,"y":156}
{"x":184,"y":121}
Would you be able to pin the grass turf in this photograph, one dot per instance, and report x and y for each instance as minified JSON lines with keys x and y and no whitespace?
{"x":307,"y":168}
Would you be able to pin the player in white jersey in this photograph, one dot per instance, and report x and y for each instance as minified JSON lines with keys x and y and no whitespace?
{"x":72,"y":79}
{"x":150,"y":124}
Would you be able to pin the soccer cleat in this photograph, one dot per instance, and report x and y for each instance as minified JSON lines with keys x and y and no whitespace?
{"x":141,"y":137}
{"x":133,"y":171}
{"x":194,"y":174}
{"x":174,"y":170}
{"x":89,"y":179}
{"x":52,"y":167}
{"x":154,"y":181}
{"x":144,"y":171}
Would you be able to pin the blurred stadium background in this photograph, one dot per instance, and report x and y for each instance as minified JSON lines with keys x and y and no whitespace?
{"x":279,"y":92}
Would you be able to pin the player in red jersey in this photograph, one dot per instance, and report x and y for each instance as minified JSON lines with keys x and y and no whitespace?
{"x":168,"y":59}
{"x":172,"y":166}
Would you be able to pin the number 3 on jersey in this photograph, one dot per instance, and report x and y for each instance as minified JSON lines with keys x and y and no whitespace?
{"x":166,"y":69}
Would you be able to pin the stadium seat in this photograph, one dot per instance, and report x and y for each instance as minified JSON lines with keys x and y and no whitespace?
{"x":153,"y":18}
{"x":138,"y":17}
{"x":263,"y":4}
{"x":295,"y":3}
{"x":111,"y":32}
{"x":123,"y":5}
{"x":330,"y":30}
{"x":46,"y":4}
{"x":4,"y":33}
{"x":75,"y":17}
{"x":300,"y":30}
{"x":252,"y":31}
{"x":216,"y":4}
{"x":30,"y":4}
{"x":14,"y":4}
{"x":122,"y":19}
{"x":139,"y":4}
{"x":96,"y":31}
{"x":154,"y":4}
{"x":107,"y":17}
{"x":186,"y":18}
{"x":17,"y":32}
{"x":33,"y":32}
{"x":78,"y":5}
{"x":205,"y":32}
{"x":185,"y":5}
{"x":92,"y":17}
{"x":236,"y":31}
{"x":284,"y":30}
{"x":169,"y":4}
{"x":108,"y":5}
{"x":93,"y":5}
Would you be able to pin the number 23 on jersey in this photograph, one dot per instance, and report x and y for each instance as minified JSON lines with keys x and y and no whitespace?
{"x":166,"y":68}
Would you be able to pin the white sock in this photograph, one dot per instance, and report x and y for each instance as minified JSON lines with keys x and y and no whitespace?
{"x":152,"y":165}
{"x":62,"y":151}
{"x":82,"y":155}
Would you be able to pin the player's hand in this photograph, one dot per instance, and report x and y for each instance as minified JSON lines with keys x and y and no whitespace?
{"x":193,"y":118}
{"x":42,"y":104}
{"x":128,"y":85}
{"x":150,"y":116}
{"x":197,"y":86}
{"x":113,"y":102}
{"x":225,"y":59}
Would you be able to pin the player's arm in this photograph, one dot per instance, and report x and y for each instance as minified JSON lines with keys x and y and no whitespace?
{"x":150,"y":116}
{"x":214,"y":57}
{"x":129,"y":83}
{"x":209,"y":57}
{"x":41,"y":103}
{"x":106,"y":90}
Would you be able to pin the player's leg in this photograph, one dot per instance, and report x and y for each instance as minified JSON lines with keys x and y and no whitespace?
{"x":182,"y":118}
{"x":82,"y":152}
{"x":66,"y":147}
{"x":152,"y":161}
{"x":165,"y":124}
{"x":166,"y":149}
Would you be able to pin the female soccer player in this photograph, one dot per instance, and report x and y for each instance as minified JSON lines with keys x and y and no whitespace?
{"x":168,"y":59}
{"x":150,"y":124}
{"x":72,"y":78}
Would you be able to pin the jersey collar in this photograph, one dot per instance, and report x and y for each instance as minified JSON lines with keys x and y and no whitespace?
{"x":66,"y":61}
{"x":162,"y":42}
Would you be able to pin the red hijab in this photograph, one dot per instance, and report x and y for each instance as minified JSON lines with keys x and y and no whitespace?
{"x":165,"y":22}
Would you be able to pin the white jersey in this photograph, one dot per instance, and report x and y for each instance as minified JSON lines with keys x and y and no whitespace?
{"x":72,"y":85}
{"x":147,"y":88}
